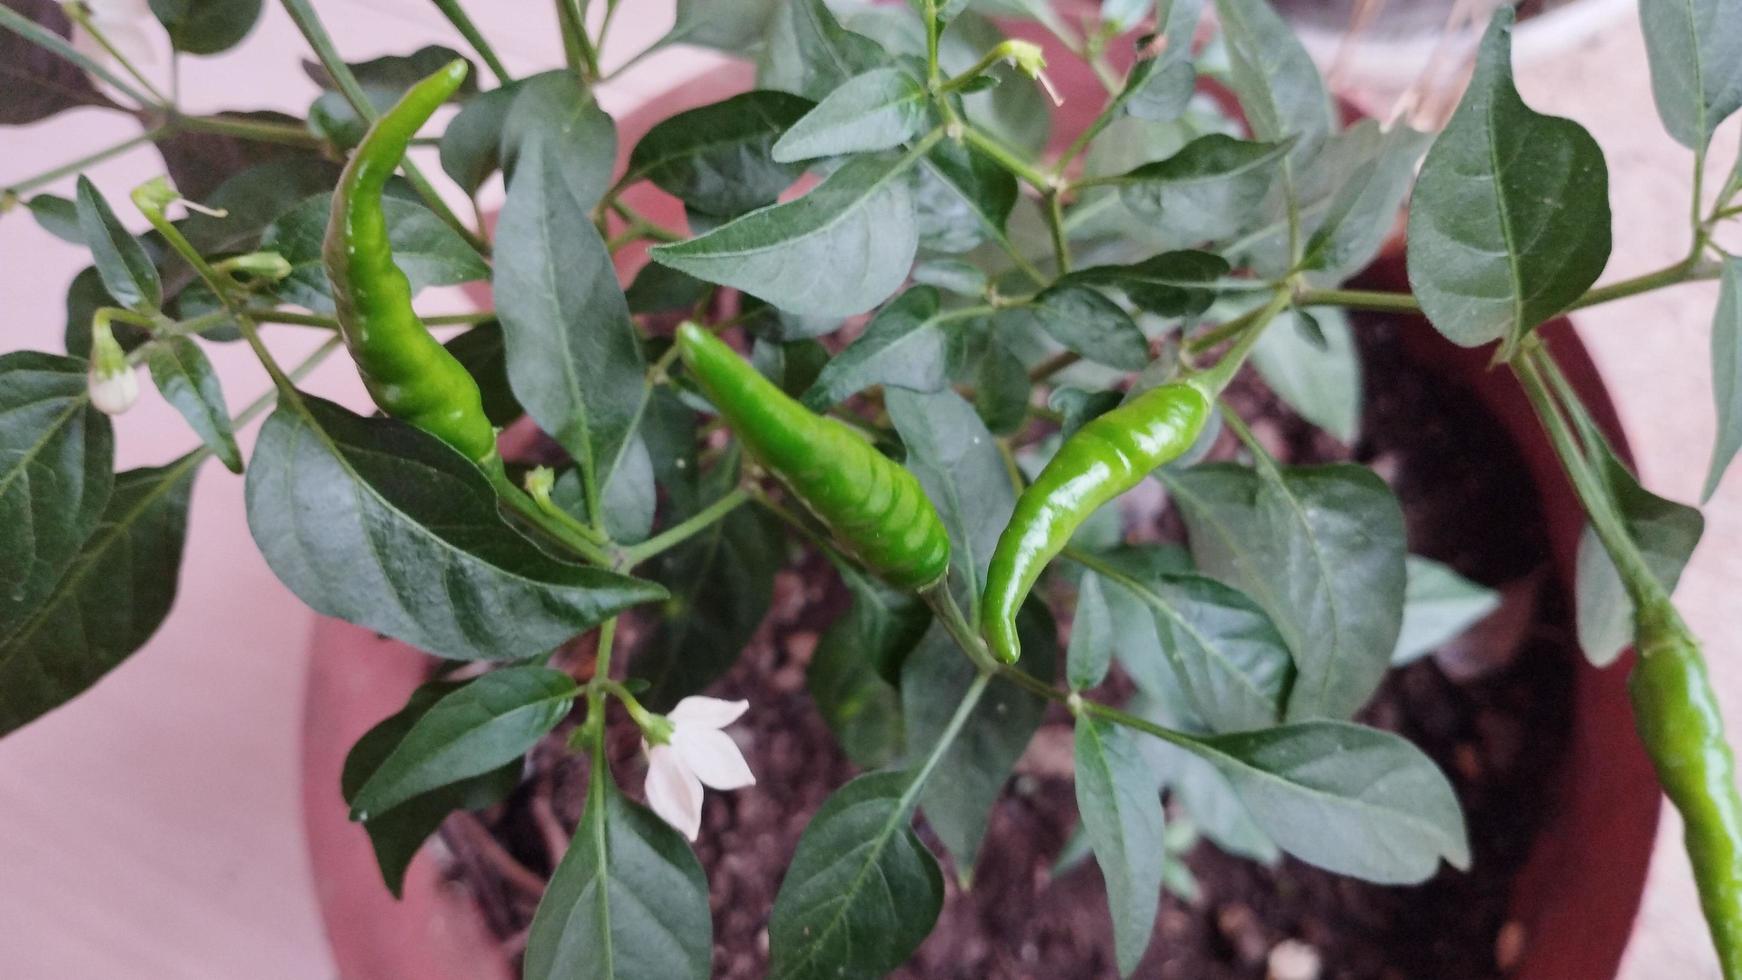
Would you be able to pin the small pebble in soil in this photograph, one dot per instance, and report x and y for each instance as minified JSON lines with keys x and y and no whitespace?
{"x":1509,"y":945}
{"x":1292,"y":959}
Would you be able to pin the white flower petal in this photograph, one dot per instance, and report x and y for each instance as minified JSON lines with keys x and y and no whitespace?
{"x":673,"y":791}
{"x":113,"y":394}
{"x":713,"y":757}
{"x":700,"y":712}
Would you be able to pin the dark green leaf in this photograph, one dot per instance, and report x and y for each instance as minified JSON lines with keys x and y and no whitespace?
{"x":57,"y":216}
{"x":1352,"y":800}
{"x":85,"y":296}
{"x":904,"y":346}
{"x":1666,"y":533}
{"x":554,"y":116}
{"x":482,"y":351}
{"x":1321,"y":382}
{"x":471,"y":148}
{"x":1438,"y":605}
{"x":1208,"y":191}
{"x":380,"y":524}
{"x":1696,"y":64}
{"x":1321,"y":550}
{"x":57,"y":458}
{"x":1181,"y":283}
{"x":957,"y":462}
{"x":627,"y":498}
{"x":1204,"y":795}
{"x":1120,"y":802}
{"x":851,"y":675}
{"x":199,"y":162}
{"x":1274,"y":77}
{"x":573,"y":356}
{"x":839,"y":250}
{"x":206,"y":26}
{"x":126,"y":269}
{"x":426,"y":248}
{"x":1499,"y":183}
{"x":1090,"y":651}
{"x":39,"y":83}
{"x":879,"y":110}
{"x":1001,"y":387}
{"x":957,"y":276}
{"x":658,"y":289}
{"x":1726,"y":374}
{"x":1090,"y":324}
{"x":254,"y":198}
{"x":397,"y":834}
{"x":960,"y":194}
{"x":862,"y":892}
{"x":807,"y":51}
{"x":793,"y":365}
{"x":483,"y":725}
{"x":716,"y":158}
{"x":111,"y":599}
{"x":1354,"y":222}
{"x":1158,"y":88}
{"x":1078,"y":406}
{"x":732,"y":26}
{"x":383,"y":81}
{"x":186,"y":379}
{"x":628,"y":901}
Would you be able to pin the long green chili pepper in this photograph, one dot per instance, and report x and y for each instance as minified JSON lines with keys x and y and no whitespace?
{"x":1679,"y":722}
{"x":1105,"y":458}
{"x":410,"y":375}
{"x":872,"y":505}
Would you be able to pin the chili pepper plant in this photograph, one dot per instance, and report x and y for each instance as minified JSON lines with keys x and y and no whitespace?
{"x":919,"y":336}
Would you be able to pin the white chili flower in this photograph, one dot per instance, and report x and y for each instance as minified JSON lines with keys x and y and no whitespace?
{"x":113,"y":385}
{"x":696,"y":753}
{"x":128,"y":25}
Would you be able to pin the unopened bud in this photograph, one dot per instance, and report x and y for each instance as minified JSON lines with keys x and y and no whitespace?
{"x":269,"y":266}
{"x":113,"y":385}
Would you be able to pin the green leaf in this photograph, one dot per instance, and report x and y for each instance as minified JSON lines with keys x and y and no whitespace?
{"x":1353,"y":800}
{"x":904,"y":346}
{"x":186,"y":379}
{"x":879,"y":110}
{"x":839,"y":250}
{"x":85,"y":296}
{"x":1089,"y":324}
{"x":1322,"y":383}
{"x":716,"y":158}
{"x":1001,"y":387}
{"x":1354,"y":221}
{"x":1275,"y":79}
{"x":628,"y":498}
{"x":960,"y":195}
{"x":1696,"y":64}
{"x":471,"y":147}
{"x":1500,"y":182}
{"x":484,"y":354}
{"x":808,"y":52}
{"x":127,"y":271}
{"x":1438,"y":605}
{"x":1090,"y":651}
{"x":1320,"y":548}
{"x":207,"y":26}
{"x":1726,"y":375}
{"x":861,"y":892}
{"x":37,"y":81}
{"x":628,"y":901}
{"x":979,"y":761}
{"x":381,"y":524}
{"x":1203,"y":794}
{"x":484,"y":724}
{"x":657,"y":289}
{"x":398,"y":834}
{"x":1172,"y":284}
{"x":383,"y":81}
{"x":1208,"y":191}
{"x":732,"y":26}
{"x":1158,"y":88}
{"x":199,"y":162}
{"x":1120,"y":16}
{"x":1229,"y":656}
{"x":573,"y":356}
{"x":57,"y":458}
{"x":852,"y":673}
{"x":254,"y":198}
{"x":958,"y":276}
{"x":793,"y":365}
{"x":1120,"y":802}
{"x":1666,"y":533}
{"x":428,"y":250}
{"x":58,"y":216}
{"x":555,"y":117}
{"x":1015,"y":111}
{"x":111,"y":599}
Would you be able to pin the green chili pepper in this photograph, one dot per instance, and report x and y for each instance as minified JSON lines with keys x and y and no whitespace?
{"x":409,"y":374}
{"x":1679,"y":722}
{"x":871,"y":504}
{"x":1105,"y":458}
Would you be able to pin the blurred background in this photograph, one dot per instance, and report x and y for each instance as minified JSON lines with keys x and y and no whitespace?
{"x":152,"y":829}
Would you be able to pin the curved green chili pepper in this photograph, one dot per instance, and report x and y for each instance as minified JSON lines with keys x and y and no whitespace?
{"x":410,"y":375}
{"x":1679,"y":722}
{"x":1105,"y":458}
{"x":874,"y":506}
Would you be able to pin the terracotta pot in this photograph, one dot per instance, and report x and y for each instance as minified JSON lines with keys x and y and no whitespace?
{"x":1576,"y":896}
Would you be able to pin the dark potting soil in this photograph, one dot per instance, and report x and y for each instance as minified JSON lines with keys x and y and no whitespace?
{"x":1491,"y":709}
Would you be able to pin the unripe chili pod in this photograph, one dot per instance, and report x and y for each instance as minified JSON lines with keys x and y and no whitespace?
{"x":872,"y":505}
{"x":1106,"y":457}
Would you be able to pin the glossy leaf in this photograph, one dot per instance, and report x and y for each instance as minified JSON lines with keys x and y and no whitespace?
{"x":852,"y":674}
{"x":1321,"y":382}
{"x":1180,"y":283}
{"x":1696,"y":64}
{"x":186,"y":379}
{"x":716,"y":158}
{"x":1278,"y":85}
{"x":957,"y":462}
{"x":904,"y":346}
{"x":1090,"y":324}
{"x":839,"y":250}
{"x":480,"y":726}
{"x":1208,"y":191}
{"x":108,"y":602}
{"x":1726,"y":375}
{"x":1320,"y":549}
{"x":1119,"y":798}
{"x":380,"y":524}
{"x":574,"y":360}
{"x":127,"y":271}
{"x":629,"y":900}
{"x":861,"y":892}
{"x":1353,"y":800}
{"x":58,"y":216}
{"x":397,"y":834}
{"x":1090,"y":651}
{"x":555,"y":118}
{"x":207,"y":26}
{"x":879,"y":110}
{"x":1499,"y":183}
{"x":1438,"y":606}
{"x":57,"y":458}
{"x":425,"y":248}
{"x":808,"y":52}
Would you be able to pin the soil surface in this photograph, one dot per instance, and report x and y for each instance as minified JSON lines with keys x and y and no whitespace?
{"x":1491,"y":709}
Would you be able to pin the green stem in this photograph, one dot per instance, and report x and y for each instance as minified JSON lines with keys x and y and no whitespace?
{"x":1687,"y":269}
{"x":53,"y":43}
{"x":1360,"y":299}
{"x":584,"y":60}
{"x":249,"y":129}
{"x":1216,"y":379}
{"x":678,"y":533}
{"x":1006,"y":157}
{"x":594,"y":727}
{"x":553,"y":524}
{"x":268,"y":315}
{"x":456,"y":16}
{"x":1052,"y":365}
{"x":1055,"y":219}
{"x":954,"y":622}
{"x":80,"y":16}
{"x":82,"y":163}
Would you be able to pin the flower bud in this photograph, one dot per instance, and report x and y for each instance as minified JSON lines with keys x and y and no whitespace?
{"x":113,"y":385}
